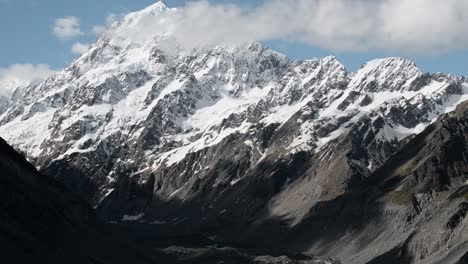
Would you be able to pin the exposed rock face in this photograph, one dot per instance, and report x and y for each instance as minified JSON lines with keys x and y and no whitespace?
{"x":410,"y":210}
{"x":245,"y":137}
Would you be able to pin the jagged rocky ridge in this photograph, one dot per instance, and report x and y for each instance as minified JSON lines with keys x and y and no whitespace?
{"x":231,"y":136}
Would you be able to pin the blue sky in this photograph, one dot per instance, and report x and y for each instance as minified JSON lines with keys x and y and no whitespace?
{"x":27,"y":26}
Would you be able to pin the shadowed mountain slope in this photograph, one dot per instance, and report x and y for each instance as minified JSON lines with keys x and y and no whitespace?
{"x":41,"y":223}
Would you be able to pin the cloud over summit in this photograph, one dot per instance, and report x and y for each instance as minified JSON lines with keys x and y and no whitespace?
{"x":412,"y":26}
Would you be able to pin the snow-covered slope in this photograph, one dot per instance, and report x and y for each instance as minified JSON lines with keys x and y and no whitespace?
{"x":136,"y":104}
{"x":14,"y":91}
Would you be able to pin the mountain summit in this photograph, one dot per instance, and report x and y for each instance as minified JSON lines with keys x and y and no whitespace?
{"x":160,"y":5}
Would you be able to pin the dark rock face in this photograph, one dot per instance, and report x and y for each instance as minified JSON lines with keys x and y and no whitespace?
{"x":41,"y":223}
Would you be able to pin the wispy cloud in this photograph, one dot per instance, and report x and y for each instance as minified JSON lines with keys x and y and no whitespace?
{"x":111,"y":18}
{"x":67,"y":27}
{"x":98,"y":29}
{"x":79,"y":48}
{"x":18,"y":73}
{"x":416,"y":26}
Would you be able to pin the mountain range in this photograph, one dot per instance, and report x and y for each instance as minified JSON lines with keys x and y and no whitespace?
{"x":245,"y":147}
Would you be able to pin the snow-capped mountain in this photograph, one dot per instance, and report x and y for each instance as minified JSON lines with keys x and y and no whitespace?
{"x":15,"y":89}
{"x":138,"y":122}
{"x":141,"y":108}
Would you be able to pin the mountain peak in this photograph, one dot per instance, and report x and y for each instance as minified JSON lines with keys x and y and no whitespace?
{"x":139,"y":27}
{"x":392,"y":72}
{"x":331,"y":59}
{"x":158,"y":7}
{"x":154,"y":9}
{"x":390,"y":62}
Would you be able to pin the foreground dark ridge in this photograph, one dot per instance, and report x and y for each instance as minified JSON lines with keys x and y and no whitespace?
{"x":40,"y":222}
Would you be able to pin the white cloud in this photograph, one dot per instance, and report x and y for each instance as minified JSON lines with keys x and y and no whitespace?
{"x":416,"y":26}
{"x":98,"y":30}
{"x":79,"y":48}
{"x":110,"y":19}
{"x":67,"y":27}
{"x":22,"y":73}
